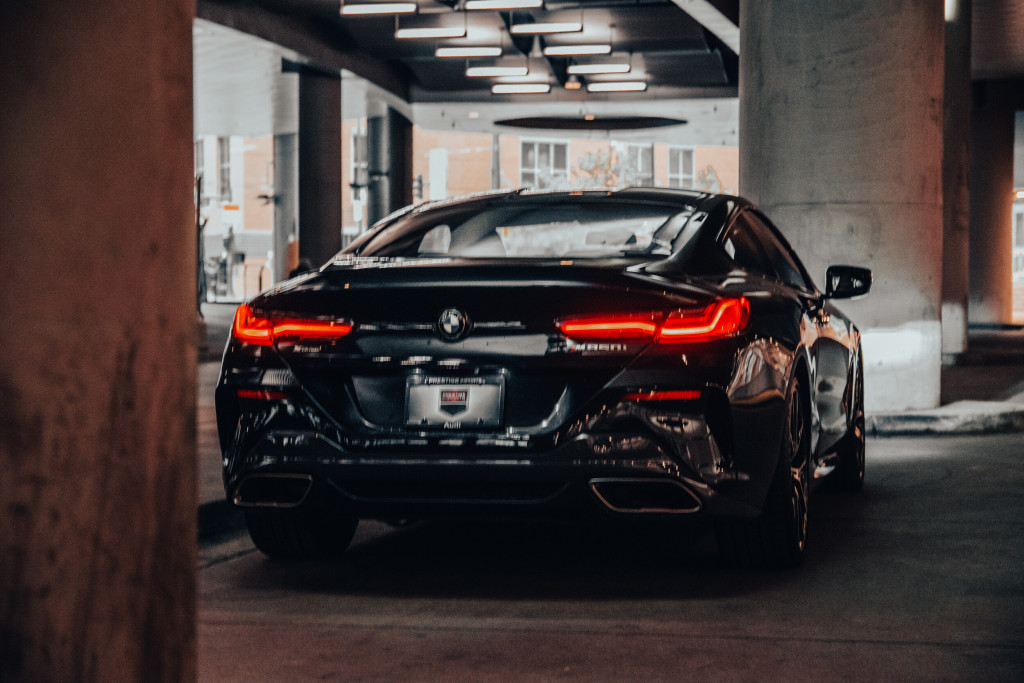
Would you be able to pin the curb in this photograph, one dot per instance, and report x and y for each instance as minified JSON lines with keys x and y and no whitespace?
{"x":962,"y":417}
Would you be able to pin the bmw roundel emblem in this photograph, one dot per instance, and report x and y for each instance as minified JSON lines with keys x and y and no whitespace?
{"x":453,"y":324}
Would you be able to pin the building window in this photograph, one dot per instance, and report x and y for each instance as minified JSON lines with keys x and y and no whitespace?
{"x":224,"y":169}
{"x":638,"y":169}
{"x":544,"y":165}
{"x":680,"y":167}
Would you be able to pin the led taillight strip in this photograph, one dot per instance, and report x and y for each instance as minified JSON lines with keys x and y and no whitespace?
{"x":720,"y":319}
{"x":252,"y":328}
{"x":681,"y":395}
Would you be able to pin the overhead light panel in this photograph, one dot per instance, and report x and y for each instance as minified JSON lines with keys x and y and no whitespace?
{"x":520,"y":88}
{"x":573,"y":50}
{"x":431,"y":32}
{"x":546,"y":27}
{"x":585,"y":69}
{"x":617,"y":86}
{"x":364,"y":9}
{"x":467,"y":52}
{"x":504,"y":4}
{"x":479,"y":71}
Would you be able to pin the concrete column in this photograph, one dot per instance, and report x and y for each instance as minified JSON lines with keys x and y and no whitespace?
{"x":97,"y":373}
{"x":286,"y":196}
{"x":991,"y":236}
{"x":955,"y":166}
{"x":389,"y":158}
{"x":841,"y":144}
{"x":319,"y":166}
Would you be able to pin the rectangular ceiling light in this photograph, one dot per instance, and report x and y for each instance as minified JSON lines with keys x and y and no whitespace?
{"x":599,"y":68}
{"x":504,"y":4}
{"x":431,"y":32}
{"x":520,"y":88}
{"x":479,"y":71}
{"x":378,"y":8}
{"x":546,"y":27}
{"x":467,"y":52}
{"x":619,"y":86}
{"x":570,"y":50}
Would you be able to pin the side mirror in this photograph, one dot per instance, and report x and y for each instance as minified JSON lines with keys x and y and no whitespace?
{"x":846,"y":282}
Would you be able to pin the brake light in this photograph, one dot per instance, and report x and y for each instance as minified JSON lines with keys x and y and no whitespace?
{"x":720,"y":319}
{"x":684,"y":395}
{"x":611,"y":327}
{"x":262,"y":394}
{"x":253,"y":328}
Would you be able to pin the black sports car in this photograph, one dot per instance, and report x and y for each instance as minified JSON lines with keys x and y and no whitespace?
{"x":644,"y":352}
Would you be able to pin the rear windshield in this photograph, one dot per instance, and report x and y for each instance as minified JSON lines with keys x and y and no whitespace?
{"x":533,"y":229}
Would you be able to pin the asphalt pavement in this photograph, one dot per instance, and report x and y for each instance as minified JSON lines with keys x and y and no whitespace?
{"x":983,"y":393}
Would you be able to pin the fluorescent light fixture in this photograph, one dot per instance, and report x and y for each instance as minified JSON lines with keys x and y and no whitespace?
{"x":378,"y":8}
{"x":546,"y":27}
{"x":467,"y":52}
{"x":504,"y":4}
{"x":478,"y":71}
{"x":570,"y":50}
{"x":617,"y":86}
{"x":520,"y":88}
{"x":431,"y":32}
{"x":599,"y":68}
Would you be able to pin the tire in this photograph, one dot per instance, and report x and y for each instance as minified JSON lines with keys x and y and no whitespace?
{"x":302,"y":533}
{"x":849,"y":474}
{"x":777,"y":538}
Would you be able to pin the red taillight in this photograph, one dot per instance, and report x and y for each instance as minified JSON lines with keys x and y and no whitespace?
{"x":685,"y":395}
{"x":611,"y":327}
{"x":262,"y":394}
{"x":720,"y":319}
{"x":253,"y":328}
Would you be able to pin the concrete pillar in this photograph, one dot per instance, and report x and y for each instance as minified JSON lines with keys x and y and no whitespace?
{"x":286,"y":204}
{"x":389,"y":158}
{"x":319,"y":165}
{"x":97,"y":374}
{"x":841,"y":144}
{"x":991,"y":236}
{"x":955,"y":166}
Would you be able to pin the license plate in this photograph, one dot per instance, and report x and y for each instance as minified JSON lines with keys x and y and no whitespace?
{"x":454,"y":402}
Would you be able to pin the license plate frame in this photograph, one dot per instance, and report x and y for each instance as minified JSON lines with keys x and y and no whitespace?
{"x":471,"y":402}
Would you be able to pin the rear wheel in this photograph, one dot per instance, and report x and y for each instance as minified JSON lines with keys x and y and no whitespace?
{"x":849,"y":474}
{"x":777,"y":537}
{"x":301,"y":533}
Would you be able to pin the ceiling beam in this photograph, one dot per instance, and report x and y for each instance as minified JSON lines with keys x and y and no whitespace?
{"x":719,"y":17}
{"x":316,"y":40}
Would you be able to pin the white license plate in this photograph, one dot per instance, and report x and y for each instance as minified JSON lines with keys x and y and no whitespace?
{"x":454,"y":402}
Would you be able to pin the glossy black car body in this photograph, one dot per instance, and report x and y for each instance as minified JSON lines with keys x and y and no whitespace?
{"x":632,"y":353}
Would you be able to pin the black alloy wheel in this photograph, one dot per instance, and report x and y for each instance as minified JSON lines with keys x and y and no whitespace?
{"x":777,"y":538}
{"x":307,"y":532}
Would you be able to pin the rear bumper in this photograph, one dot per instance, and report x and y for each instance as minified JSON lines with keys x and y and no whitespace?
{"x":626,"y":474}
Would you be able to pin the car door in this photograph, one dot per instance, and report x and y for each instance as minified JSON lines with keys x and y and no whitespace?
{"x":829,"y":350}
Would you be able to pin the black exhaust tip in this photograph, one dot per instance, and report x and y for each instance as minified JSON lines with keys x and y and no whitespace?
{"x":278,"y":490}
{"x":650,"y":496}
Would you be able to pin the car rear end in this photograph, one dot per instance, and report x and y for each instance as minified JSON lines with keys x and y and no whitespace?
{"x":413,"y":388}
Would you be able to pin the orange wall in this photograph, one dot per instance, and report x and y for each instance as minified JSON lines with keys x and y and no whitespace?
{"x":258,"y":161}
{"x":717,"y":169}
{"x":469,"y":159}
